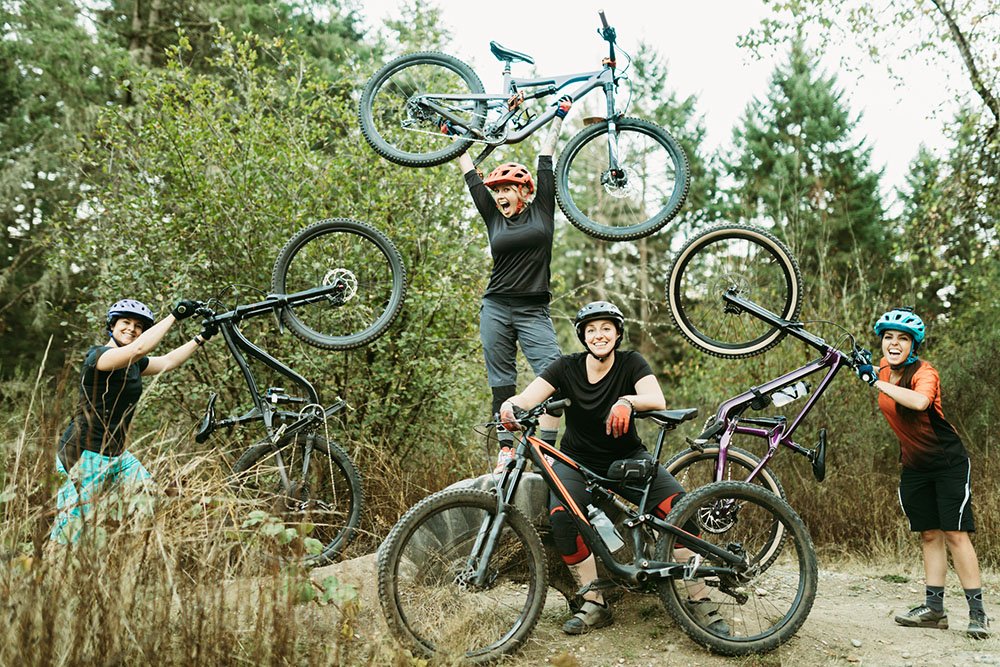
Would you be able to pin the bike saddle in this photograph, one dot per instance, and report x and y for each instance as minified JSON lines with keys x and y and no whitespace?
{"x":510,"y":55}
{"x":207,"y":424}
{"x":668,"y":418}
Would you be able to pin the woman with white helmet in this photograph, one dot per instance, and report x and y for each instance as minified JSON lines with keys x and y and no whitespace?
{"x":934,"y":488}
{"x":92,"y":450}
{"x":606,"y":386}
{"x":520,"y":222}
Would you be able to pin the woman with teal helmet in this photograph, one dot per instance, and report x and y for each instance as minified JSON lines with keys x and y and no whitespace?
{"x":934,"y":486}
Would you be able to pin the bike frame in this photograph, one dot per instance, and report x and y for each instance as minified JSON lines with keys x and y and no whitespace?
{"x":240,"y":348}
{"x":776,"y":430}
{"x":603,"y":78}
{"x":642,"y":569}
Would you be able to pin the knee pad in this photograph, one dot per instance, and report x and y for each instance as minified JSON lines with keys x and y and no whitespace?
{"x":501,"y":394}
{"x":566,"y":536}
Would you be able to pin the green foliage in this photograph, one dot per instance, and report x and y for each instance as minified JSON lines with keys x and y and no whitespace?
{"x":797,"y":168}
{"x":203,"y":185}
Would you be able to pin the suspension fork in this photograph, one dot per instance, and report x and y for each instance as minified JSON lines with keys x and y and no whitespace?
{"x":489,"y":530}
{"x":612,"y":115}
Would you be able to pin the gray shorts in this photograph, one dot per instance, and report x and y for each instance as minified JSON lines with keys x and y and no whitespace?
{"x":503,"y":327}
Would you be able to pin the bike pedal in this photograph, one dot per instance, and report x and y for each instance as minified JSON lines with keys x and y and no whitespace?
{"x":818,"y":457}
{"x":598,"y":585}
{"x":696,"y":445}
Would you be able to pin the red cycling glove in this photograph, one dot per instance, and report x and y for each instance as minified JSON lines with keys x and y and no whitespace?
{"x":565,"y":104}
{"x":507,"y":418}
{"x":619,"y":418}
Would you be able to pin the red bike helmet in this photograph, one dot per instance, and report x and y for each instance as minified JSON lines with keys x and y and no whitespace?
{"x":511,"y":173}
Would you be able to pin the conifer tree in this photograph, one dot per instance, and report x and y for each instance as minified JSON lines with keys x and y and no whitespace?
{"x":797,"y":167}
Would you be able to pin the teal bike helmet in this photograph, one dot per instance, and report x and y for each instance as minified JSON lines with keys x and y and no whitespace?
{"x":905,"y":320}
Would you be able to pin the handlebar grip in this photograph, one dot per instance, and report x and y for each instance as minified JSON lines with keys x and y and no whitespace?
{"x":558,"y":405}
{"x":604,"y":20}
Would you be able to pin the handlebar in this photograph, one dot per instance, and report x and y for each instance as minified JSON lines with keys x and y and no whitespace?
{"x":607,"y":32}
{"x":529,"y":418}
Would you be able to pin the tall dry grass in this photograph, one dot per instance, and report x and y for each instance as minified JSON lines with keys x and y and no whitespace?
{"x":171,"y":577}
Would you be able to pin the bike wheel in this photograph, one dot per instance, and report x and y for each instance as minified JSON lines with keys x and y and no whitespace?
{"x":363,"y":261}
{"x":751,"y":262}
{"x":325,"y":504}
{"x":694,"y":469}
{"x":403,"y":129}
{"x":646,"y":194}
{"x":425,"y":578}
{"x":761,"y":608}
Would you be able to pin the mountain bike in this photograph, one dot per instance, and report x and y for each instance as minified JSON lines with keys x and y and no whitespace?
{"x":619,"y":178}
{"x":709,"y":290}
{"x":337,"y":284}
{"x":463,"y":571}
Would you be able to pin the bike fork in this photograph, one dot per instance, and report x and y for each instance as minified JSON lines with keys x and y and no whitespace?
{"x":613,"y":166}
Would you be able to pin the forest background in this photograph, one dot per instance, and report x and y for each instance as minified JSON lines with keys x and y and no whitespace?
{"x":164,"y":149}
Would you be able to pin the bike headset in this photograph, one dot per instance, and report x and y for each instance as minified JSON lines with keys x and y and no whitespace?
{"x":600,"y":310}
{"x":511,"y":173}
{"x":129,"y":308}
{"x":903,"y":319}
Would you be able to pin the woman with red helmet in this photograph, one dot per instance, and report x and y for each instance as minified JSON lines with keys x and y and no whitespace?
{"x":934,"y":488}
{"x":519,"y":215}
{"x":92,"y":453}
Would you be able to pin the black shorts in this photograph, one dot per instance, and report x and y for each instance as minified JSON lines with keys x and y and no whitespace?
{"x":939,"y":499}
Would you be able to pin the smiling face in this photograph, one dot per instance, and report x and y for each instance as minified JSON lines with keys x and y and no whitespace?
{"x":600,"y":337}
{"x":509,"y":198}
{"x":124,"y":330}
{"x":896,"y":346}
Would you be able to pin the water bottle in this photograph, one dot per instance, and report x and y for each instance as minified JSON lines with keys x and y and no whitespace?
{"x":786,"y":395}
{"x":600,"y":521}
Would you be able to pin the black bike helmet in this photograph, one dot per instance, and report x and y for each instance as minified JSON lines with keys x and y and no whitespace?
{"x":600,"y":310}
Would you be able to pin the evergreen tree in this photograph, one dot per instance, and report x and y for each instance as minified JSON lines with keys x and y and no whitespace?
{"x":949,"y":221}
{"x":797,"y":168}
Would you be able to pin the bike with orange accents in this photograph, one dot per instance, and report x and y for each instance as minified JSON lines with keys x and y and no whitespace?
{"x":618,"y":178}
{"x":463,"y":574}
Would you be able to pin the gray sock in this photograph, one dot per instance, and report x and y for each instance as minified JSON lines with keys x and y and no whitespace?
{"x":934,"y":598}
{"x":974,"y":596}
{"x":549,"y":435}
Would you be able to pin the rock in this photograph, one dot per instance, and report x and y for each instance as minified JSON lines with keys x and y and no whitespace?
{"x":856,"y":643}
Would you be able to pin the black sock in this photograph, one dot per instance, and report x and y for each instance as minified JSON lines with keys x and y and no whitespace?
{"x":934,"y":596}
{"x":974,"y":596}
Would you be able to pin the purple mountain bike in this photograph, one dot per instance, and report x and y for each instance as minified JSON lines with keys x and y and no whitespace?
{"x":717,"y":284}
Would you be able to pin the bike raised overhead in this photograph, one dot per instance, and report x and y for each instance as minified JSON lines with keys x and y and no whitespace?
{"x":618,"y":178}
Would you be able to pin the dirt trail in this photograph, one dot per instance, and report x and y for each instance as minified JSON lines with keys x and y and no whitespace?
{"x":850,"y":624}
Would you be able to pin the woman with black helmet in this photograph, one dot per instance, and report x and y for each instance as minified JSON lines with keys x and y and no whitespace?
{"x":934,"y":488}
{"x":606,"y":386}
{"x":520,"y":223}
{"x":92,"y":451}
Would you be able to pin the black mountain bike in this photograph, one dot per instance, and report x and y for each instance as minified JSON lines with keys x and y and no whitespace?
{"x":464,"y":574}
{"x":337,"y":284}
{"x":619,"y":178}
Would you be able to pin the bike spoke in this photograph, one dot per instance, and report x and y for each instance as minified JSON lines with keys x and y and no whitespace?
{"x":401,"y":111}
{"x":362,"y":268}
{"x":438,"y":602}
{"x":759,"y":607}
{"x":750,"y":263}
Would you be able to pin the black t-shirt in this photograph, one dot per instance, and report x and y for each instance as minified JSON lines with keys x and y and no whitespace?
{"x":104,"y":411}
{"x":521,"y":245}
{"x":585,"y":439}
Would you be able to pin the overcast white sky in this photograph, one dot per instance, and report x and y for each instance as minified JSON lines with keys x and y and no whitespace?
{"x":697,"y":39}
